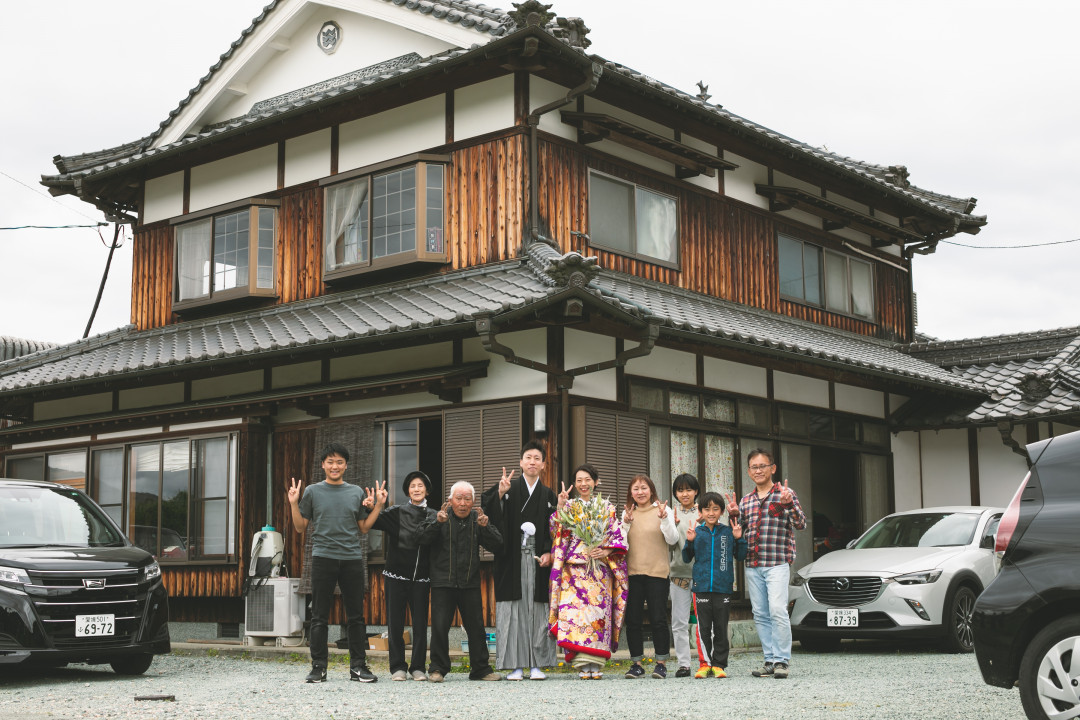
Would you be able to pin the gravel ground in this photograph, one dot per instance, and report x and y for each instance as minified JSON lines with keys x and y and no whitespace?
{"x":865,"y":680}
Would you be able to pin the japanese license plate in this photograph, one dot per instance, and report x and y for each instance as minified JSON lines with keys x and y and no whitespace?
{"x":95,"y":625}
{"x":842,"y":617}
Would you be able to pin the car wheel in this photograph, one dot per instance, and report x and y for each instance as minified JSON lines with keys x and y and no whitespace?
{"x":132,"y":664}
{"x":957,"y":620}
{"x":1047,"y":687}
{"x":821,"y":644}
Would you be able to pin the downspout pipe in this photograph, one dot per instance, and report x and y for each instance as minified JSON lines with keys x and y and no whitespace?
{"x":533,"y":121}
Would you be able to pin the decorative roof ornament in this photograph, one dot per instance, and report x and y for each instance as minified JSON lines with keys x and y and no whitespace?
{"x":703,"y":91}
{"x":572,"y":31}
{"x":531,"y":13}
{"x":573,"y":270}
{"x":1034,"y":387}
{"x":897,"y":175}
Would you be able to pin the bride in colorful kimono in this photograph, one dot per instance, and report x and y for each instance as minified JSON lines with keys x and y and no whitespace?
{"x":588,"y":586}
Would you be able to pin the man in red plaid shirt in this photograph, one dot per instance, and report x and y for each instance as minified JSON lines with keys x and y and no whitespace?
{"x":770,"y":516}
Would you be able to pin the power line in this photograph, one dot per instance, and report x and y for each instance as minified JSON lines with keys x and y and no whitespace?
{"x":1008,"y":247}
{"x":46,"y":195}
{"x":52,"y":227}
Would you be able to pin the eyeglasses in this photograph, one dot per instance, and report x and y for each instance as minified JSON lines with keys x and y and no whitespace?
{"x":759,"y":468}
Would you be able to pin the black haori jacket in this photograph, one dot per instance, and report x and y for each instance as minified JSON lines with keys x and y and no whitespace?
{"x":508,"y":513}
{"x":455,"y":549}
{"x":406,"y":558}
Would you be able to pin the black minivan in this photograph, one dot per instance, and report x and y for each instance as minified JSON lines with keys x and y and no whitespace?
{"x":1027,"y":621}
{"x":72,"y":588}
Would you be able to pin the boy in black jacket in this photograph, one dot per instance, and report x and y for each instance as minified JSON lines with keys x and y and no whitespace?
{"x":713,"y":547}
{"x":455,"y":535}
{"x":406,"y":575}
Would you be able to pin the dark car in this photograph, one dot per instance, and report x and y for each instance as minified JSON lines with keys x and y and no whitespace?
{"x":1027,"y":622}
{"x":72,"y":588}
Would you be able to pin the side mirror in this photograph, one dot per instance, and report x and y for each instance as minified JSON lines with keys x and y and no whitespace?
{"x":987,"y":542}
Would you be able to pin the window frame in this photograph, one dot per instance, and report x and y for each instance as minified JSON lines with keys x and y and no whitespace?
{"x":425,"y":250}
{"x":823,"y":276}
{"x":632,"y":222}
{"x":251,"y":288}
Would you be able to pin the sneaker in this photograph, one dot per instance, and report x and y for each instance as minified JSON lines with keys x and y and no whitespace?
{"x":490,"y":677}
{"x":718,"y":672}
{"x":780,"y":670}
{"x":419,"y":675}
{"x":516,"y":675}
{"x":597,"y":675}
{"x":435,"y":677}
{"x":702,"y":672}
{"x":399,"y":676}
{"x":635,"y":671}
{"x":537,"y":674}
{"x":660,"y":671}
{"x":764,"y":671}
{"x":317,"y":675}
{"x":682,"y":672}
{"x":362,"y":673}
{"x":585,"y":675}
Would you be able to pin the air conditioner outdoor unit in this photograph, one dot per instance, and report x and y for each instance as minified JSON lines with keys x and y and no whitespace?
{"x":275,"y":609}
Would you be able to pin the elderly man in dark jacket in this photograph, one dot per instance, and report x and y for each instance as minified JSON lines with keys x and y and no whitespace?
{"x":455,"y":535}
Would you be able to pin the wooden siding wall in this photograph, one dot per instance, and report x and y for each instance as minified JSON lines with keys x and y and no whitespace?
{"x":152,"y":277}
{"x":727,"y":248}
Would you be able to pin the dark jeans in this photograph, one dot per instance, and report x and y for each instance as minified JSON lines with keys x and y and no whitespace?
{"x":349,"y":576}
{"x":654,"y":591}
{"x":712,"y":611}
{"x":413,"y":595}
{"x":469,"y":602}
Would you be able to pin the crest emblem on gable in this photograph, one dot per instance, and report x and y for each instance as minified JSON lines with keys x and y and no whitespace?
{"x":329,"y":37}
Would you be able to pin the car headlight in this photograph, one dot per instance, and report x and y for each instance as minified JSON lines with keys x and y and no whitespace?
{"x":16,"y":576}
{"x":151,"y":572}
{"x":917,"y":578}
{"x":798,"y":580}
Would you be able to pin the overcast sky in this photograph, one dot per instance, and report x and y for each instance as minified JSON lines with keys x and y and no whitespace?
{"x":976,"y":98}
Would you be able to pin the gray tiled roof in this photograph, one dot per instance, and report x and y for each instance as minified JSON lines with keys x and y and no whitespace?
{"x":892,"y":179}
{"x":13,"y":347}
{"x":1028,"y":376}
{"x":456,"y":299}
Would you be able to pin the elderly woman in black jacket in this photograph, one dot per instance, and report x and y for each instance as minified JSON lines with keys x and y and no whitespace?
{"x":406,"y":575}
{"x":455,"y":535}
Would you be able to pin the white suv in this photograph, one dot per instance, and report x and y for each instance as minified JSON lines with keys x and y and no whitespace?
{"x":914,"y":574}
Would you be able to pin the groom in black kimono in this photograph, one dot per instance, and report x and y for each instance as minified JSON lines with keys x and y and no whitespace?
{"x":521,"y":509}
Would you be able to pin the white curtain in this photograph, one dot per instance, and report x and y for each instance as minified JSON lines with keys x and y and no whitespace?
{"x":874,"y":471}
{"x":657,"y":226}
{"x":343,"y":204}
{"x":862,"y":289}
{"x":193,"y":257}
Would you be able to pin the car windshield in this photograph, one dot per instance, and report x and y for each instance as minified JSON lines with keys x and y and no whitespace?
{"x":920,"y":530}
{"x":52,"y":517}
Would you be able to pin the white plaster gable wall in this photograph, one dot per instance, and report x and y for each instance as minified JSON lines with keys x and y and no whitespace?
{"x":542,"y":92}
{"x":505,"y":380}
{"x":391,"y":403}
{"x":703,"y":181}
{"x":407,"y":129}
{"x":666,"y":364}
{"x":582,"y":348}
{"x":307,"y":157}
{"x":1000,"y":469}
{"x":861,"y":401}
{"x":234,"y":178}
{"x":741,"y":183}
{"x":907,"y":471}
{"x":801,"y":390}
{"x":946,"y":479}
{"x":163,"y":197}
{"x":484,"y":107}
{"x":279,"y":56}
{"x":593,"y":105}
{"x":387,"y":362}
{"x":736,"y":377}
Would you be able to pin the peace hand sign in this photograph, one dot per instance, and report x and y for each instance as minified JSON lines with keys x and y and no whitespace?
{"x":787,"y":497}
{"x":628,"y":514}
{"x":481,"y":518}
{"x":733,"y":504}
{"x":295,"y":488}
{"x":369,"y":500}
{"x":675,"y":509}
{"x":736,"y":529}
{"x":661,"y":510}
{"x":442,"y":516}
{"x":380,"y":493}
{"x":504,"y":483}
{"x":691,"y":533}
{"x":564,"y":496}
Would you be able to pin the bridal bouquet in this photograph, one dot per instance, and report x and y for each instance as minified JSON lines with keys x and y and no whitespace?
{"x":587,"y":520}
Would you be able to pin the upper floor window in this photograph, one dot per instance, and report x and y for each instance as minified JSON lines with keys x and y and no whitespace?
{"x":825,"y":278}
{"x":225,"y":255}
{"x":379,"y":219}
{"x":632,"y":220}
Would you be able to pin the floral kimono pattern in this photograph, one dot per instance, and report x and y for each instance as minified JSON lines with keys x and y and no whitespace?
{"x":588,"y":600}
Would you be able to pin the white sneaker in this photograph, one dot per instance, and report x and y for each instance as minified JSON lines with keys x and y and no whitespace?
{"x":516,"y":675}
{"x":537,"y":674}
